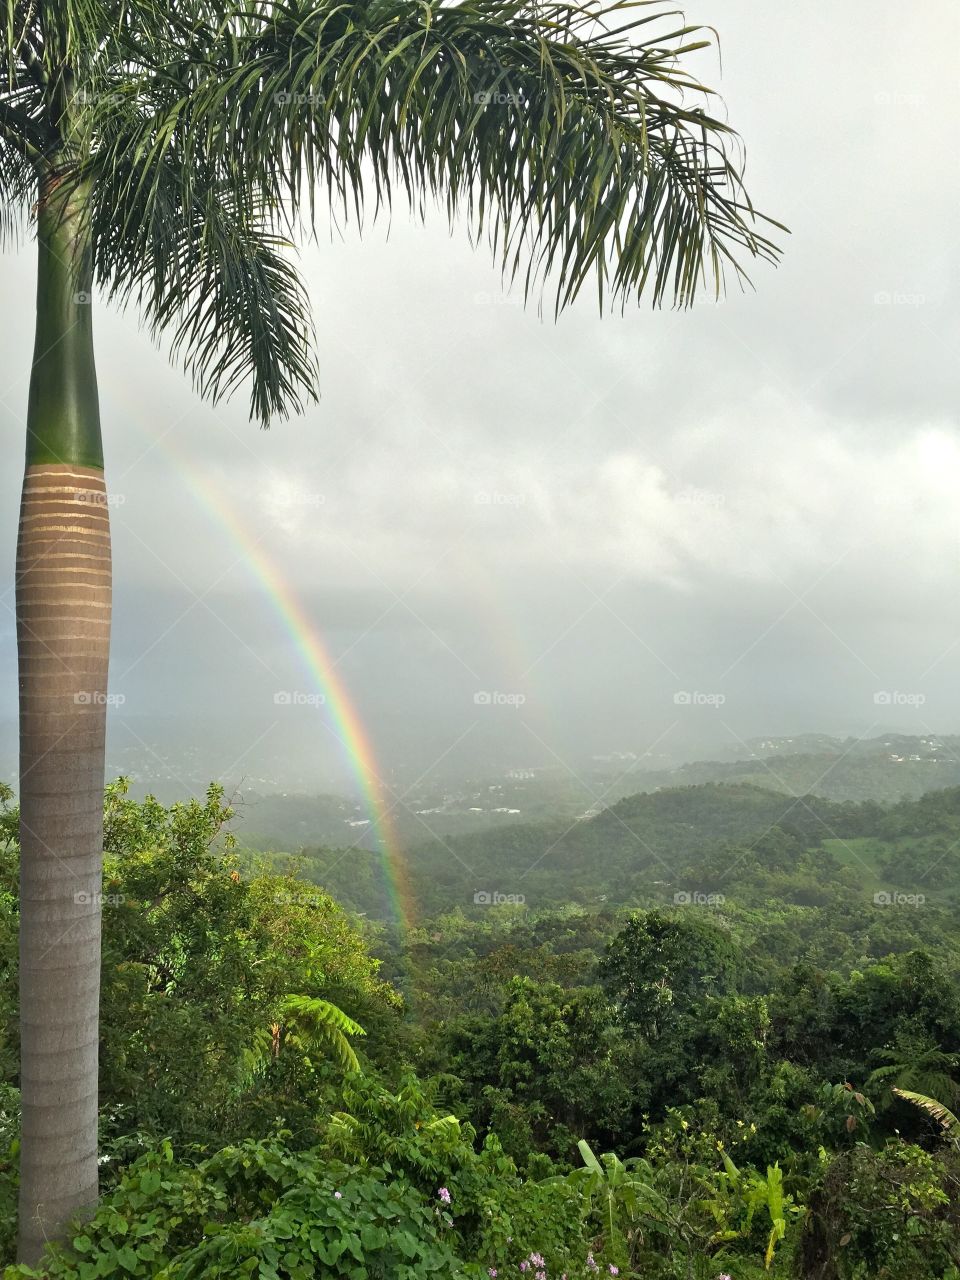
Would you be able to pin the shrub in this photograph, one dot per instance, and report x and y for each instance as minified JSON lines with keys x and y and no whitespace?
{"x":894,"y":1212}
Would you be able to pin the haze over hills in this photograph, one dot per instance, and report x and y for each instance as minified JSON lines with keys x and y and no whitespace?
{"x":169,"y":757}
{"x":887,"y":768}
{"x":890,"y":767}
{"x":670,"y":847}
{"x":861,"y":815}
{"x":281,"y":810}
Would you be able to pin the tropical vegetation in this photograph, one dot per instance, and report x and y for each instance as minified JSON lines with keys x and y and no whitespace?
{"x":658,"y":1092}
{"x":167,"y":156}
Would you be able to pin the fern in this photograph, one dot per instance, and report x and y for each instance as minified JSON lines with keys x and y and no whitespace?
{"x":311,"y":1025}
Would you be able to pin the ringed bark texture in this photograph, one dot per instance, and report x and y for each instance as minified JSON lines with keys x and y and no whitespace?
{"x":63,"y":637}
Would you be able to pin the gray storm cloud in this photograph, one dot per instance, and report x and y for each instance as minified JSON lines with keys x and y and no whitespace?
{"x":758,"y":497}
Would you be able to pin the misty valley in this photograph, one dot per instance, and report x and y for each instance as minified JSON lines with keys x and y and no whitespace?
{"x":708,"y":1026}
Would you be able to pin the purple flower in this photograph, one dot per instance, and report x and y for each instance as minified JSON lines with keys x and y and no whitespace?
{"x":338,"y":1195}
{"x":492,"y":1273}
{"x":524,"y":1266}
{"x":591,"y":1263}
{"x":614,"y":1271}
{"x":537,"y":1259}
{"x":444,"y":1195}
{"x":540,"y":1275}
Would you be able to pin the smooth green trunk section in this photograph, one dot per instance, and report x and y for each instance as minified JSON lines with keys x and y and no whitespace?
{"x":63,"y":415}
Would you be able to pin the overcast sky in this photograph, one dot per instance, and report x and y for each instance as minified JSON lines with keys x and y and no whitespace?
{"x":756,"y":504}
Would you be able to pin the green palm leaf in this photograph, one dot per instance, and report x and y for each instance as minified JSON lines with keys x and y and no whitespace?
{"x":566,"y":131}
{"x":17,"y":190}
{"x":220,"y":279}
{"x":944,"y":1117}
{"x":569,"y":135}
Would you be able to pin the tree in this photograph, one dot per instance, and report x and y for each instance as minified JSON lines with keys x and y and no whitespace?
{"x":166,"y":156}
{"x":658,"y":966}
{"x":227,"y":1000}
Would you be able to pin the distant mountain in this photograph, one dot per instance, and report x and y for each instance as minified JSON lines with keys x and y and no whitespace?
{"x":640,"y":842}
{"x":892,"y":767}
{"x":759,"y":844}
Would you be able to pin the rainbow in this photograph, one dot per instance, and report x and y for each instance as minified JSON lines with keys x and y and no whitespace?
{"x":343,"y":719}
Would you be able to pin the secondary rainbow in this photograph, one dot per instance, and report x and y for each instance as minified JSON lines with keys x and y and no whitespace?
{"x":343,"y":719}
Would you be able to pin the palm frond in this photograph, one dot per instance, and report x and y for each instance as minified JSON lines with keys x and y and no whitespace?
{"x":23,"y":124}
{"x":581,"y":146}
{"x":17,"y":33}
{"x":17,"y":193}
{"x":204,"y":259}
{"x":568,"y":133}
{"x":71,"y":33}
{"x":944,"y":1117}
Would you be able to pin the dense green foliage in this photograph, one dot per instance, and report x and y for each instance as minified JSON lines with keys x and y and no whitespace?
{"x":751,"y":844}
{"x":737,"y":1051}
{"x":198,"y":1026}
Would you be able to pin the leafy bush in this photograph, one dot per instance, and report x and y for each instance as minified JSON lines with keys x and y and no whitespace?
{"x":894,"y":1212}
{"x":227,"y":1000}
{"x":232,"y":1006}
{"x":256,"y":1210}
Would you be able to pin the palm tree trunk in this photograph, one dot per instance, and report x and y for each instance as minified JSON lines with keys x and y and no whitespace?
{"x":63,"y":636}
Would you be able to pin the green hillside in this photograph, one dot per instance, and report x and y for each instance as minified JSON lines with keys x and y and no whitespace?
{"x":650,"y":846}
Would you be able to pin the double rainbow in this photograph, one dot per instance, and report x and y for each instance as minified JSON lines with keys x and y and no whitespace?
{"x":342,"y":717}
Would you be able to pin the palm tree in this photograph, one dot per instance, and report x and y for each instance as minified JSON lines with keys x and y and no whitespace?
{"x":167,"y":155}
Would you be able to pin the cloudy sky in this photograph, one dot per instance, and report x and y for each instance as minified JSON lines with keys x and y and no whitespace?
{"x":651,"y":532}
